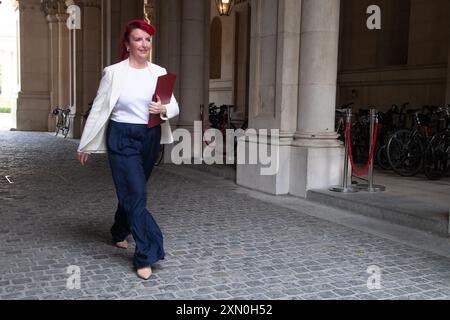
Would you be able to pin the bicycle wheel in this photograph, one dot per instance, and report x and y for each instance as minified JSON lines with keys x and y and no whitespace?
{"x":360,"y":142}
{"x":382,"y":159}
{"x":437,"y":156}
{"x":405,"y":153}
{"x":66,"y":127}
{"x":160,"y":155}
{"x":58,"y":126}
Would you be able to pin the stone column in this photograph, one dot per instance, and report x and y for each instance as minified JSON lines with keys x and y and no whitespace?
{"x":53,"y":61}
{"x":317,"y":157}
{"x":273,"y":94}
{"x":121,"y":11}
{"x":182,"y":47}
{"x":87,"y":59}
{"x":58,"y":59}
{"x":166,"y":45}
{"x":33,"y":102}
{"x":193,"y":84}
{"x":76,"y":71}
{"x":63,"y":60}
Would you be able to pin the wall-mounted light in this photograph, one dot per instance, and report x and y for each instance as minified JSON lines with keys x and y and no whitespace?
{"x":224,"y":7}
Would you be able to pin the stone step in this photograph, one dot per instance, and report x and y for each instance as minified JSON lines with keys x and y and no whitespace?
{"x":399,"y":209}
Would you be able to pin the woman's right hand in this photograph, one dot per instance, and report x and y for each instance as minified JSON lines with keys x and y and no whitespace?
{"x":83,"y":157}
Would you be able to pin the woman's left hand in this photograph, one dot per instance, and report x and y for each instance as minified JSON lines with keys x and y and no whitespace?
{"x":157,"y":107}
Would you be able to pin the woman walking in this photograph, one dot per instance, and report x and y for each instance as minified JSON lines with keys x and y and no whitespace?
{"x":117,"y":124}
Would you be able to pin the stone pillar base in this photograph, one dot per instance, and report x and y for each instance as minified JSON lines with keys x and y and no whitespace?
{"x":32,"y":112}
{"x":51,"y":122}
{"x":315,"y":168}
{"x":76,"y":125}
{"x":254,"y":176}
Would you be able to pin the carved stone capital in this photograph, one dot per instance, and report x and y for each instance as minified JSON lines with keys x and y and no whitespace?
{"x":24,"y":5}
{"x":15,"y":4}
{"x":51,"y":18}
{"x":62,"y":17}
{"x":51,"y":7}
{"x":92,"y":4}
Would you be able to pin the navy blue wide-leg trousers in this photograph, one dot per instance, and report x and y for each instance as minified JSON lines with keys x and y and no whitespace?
{"x":132,"y":153}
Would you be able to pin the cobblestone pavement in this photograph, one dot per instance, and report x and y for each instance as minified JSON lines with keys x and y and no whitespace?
{"x":220,"y":242}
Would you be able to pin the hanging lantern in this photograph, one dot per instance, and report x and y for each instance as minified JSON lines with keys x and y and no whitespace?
{"x":224,"y":7}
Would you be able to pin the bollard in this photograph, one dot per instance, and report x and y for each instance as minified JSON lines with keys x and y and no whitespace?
{"x":371,"y":187}
{"x":345,"y":188}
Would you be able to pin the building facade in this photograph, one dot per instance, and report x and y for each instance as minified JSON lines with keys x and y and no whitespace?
{"x":284,"y":64}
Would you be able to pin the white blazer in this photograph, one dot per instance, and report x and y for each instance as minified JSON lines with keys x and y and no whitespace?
{"x":93,"y":139}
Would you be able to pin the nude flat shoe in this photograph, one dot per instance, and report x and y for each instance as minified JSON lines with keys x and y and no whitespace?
{"x":122,"y":244}
{"x":144,"y":273}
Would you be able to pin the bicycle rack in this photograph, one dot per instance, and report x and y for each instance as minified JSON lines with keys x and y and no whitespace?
{"x":370,"y":187}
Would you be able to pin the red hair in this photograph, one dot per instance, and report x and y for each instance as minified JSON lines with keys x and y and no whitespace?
{"x":125,"y":38}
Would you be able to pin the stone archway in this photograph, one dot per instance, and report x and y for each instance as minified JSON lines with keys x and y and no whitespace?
{"x":62,"y":67}
{"x":229,"y":59}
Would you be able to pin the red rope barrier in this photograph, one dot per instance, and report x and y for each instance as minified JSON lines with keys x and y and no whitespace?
{"x":372,"y":149}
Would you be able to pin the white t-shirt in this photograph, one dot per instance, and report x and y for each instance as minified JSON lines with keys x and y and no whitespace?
{"x":135,"y":99}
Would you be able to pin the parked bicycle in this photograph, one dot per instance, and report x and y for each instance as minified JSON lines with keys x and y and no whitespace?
{"x":63,"y":120}
{"x":437,"y":154}
{"x":410,"y":141}
{"x":360,"y":128}
{"x":221,"y":119}
{"x":340,"y":120}
{"x":390,"y":122}
{"x":405,"y":148}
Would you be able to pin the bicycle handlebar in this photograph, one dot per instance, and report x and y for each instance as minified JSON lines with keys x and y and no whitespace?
{"x":345,"y":106}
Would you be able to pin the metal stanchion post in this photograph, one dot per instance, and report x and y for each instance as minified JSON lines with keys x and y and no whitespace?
{"x":371,"y":187}
{"x":345,"y":188}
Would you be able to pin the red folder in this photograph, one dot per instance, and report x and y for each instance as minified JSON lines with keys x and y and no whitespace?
{"x":164,"y":89}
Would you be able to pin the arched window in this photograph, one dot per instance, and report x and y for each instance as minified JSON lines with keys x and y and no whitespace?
{"x":215,"y":51}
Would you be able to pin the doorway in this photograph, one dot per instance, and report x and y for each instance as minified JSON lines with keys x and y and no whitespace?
{"x":229,"y":60}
